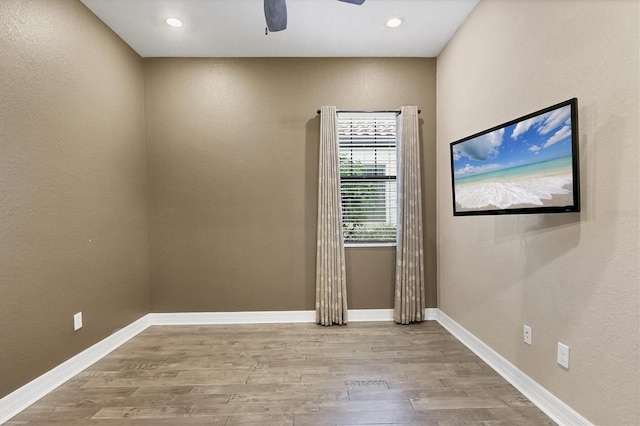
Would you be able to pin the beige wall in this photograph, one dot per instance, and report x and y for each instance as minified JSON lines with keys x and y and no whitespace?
{"x":73,"y":216}
{"x":233,"y":152}
{"x":571,"y":277}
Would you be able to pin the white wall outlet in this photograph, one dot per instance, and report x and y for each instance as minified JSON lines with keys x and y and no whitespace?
{"x":563,"y":355}
{"x":77,"y":321}
{"x":527,"y":335}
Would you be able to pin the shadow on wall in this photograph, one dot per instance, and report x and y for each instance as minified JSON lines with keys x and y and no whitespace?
{"x":536,"y":250}
{"x":538,"y":247}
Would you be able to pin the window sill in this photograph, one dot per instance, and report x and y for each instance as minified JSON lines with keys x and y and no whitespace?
{"x":368,"y":245}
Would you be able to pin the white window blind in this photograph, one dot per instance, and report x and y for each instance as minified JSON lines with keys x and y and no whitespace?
{"x":368,"y":165}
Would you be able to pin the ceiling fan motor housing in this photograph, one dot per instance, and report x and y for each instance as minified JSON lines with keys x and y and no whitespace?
{"x":275,"y":12}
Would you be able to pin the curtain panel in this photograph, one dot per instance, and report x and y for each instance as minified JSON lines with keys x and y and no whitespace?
{"x":409,"y":301}
{"x":331,"y":285}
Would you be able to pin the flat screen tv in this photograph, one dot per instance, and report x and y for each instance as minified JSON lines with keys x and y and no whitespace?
{"x":527,"y":165}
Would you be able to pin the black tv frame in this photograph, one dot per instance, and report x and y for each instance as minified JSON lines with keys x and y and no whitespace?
{"x":575,"y":160}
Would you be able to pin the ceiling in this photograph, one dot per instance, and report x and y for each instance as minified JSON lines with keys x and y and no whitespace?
{"x":316,"y":28}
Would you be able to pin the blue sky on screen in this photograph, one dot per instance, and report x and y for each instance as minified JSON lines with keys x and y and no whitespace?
{"x":543,"y":137}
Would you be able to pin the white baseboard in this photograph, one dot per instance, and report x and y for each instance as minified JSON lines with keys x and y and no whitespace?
{"x":431,"y":314}
{"x":553,"y":407}
{"x":361,"y":315}
{"x":23,"y":397}
{"x":210,"y":318}
{"x":269,"y":317}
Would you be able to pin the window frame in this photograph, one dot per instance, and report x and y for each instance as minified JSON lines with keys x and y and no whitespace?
{"x":377,"y":144}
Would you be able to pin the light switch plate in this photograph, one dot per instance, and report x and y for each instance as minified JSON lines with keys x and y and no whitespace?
{"x":563,"y":355}
{"x":77,"y":321}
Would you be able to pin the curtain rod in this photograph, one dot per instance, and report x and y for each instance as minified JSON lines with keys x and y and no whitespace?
{"x":350,"y":112}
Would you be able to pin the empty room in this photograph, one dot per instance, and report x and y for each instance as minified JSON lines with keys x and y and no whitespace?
{"x":335,"y":212}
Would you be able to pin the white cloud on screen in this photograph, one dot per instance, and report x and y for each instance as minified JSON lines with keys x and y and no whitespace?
{"x":545,"y":122}
{"x":555,"y":119}
{"x":525,"y":125}
{"x":561,"y":134}
{"x":473,"y":170}
{"x":534,"y":148}
{"x":481,"y":148}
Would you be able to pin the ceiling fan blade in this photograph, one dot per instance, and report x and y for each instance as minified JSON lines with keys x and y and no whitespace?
{"x":275,"y":12}
{"x":358,"y":2}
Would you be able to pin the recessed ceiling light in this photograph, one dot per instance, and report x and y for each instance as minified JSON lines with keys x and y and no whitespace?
{"x":174,"y":22}
{"x":394,"y":22}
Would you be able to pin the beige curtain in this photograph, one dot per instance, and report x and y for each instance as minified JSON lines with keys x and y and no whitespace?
{"x":331,"y":283}
{"x":409,"y":293}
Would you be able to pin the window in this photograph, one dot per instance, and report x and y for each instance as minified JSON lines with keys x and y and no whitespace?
{"x":368,"y":188}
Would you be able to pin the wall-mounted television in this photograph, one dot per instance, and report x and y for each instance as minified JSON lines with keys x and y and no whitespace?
{"x":527,"y":165}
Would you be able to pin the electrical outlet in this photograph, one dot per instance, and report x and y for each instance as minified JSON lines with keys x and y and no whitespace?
{"x":563,"y":355}
{"x":77,"y":321}
{"x":527,"y":335}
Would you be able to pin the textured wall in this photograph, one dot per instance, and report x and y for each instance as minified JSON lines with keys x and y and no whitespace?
{"x":571,"y":277}
{"x":233,"y":152}
{"x":73,"y":219}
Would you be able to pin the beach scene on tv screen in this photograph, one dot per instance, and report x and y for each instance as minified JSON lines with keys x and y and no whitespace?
{"x":527,"y":164}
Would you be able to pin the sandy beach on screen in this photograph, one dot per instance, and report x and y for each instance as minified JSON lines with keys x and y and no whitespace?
{"x":543,"y":191}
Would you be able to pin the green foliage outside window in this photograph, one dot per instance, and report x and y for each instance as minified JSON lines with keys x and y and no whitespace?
{"x":364,"y":210}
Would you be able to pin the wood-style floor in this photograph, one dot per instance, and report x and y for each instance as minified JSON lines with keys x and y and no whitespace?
{"x":293,"y":374}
